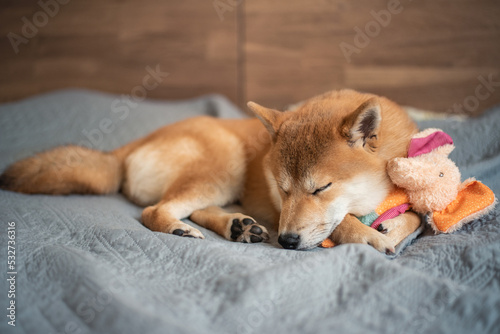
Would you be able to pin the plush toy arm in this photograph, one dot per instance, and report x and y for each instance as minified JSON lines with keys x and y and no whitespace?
{"x":473,"y":201}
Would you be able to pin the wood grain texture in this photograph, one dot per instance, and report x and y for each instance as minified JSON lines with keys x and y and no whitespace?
{"x":107,"y":45}
{"x":431,"y":54}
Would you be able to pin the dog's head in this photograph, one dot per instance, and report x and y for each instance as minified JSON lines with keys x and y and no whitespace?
{"x":325,"y":162}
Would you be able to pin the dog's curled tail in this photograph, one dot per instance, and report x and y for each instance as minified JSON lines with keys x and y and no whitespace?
{"x":65,"y":170}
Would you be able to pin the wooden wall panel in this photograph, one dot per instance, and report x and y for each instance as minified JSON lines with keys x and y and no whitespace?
{"x":431,"y":54}
{"x":107,"y":45}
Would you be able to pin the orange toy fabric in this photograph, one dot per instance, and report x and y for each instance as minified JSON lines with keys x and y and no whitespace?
{"x":327,"y":243}
{"x":474,"y":200}
{"x":394,"y":199}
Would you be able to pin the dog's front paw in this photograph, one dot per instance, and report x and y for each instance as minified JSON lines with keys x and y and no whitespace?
{"x":247,"y":230}
{"x":351,"y":230}
{"x":380,"y":242}
{"x":398,"y":228}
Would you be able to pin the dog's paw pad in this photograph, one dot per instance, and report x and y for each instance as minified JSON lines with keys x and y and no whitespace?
{"x":188,"y":232}
{"x":247,"y":221}
{"x":246,"y":230}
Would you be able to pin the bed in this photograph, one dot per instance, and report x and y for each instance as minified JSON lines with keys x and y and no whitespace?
{"x":85,"y":264}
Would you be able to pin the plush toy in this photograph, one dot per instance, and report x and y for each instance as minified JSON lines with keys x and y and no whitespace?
{"x":432,"y":182}
{"x":429,"y":183}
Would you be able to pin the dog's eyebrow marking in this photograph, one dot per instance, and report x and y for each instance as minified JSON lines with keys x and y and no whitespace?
{"x":309,"y":184}
{"x":286,"y":191}
{"x":284,"y":181}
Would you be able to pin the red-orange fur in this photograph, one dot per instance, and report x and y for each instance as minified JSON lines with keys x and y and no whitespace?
{"x":194,"y":167}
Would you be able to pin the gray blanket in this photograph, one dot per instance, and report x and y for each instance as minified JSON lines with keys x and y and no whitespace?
{"x":85,"y":264}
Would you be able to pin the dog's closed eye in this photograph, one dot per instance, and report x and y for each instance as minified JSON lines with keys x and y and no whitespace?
{"x":317,"y":191}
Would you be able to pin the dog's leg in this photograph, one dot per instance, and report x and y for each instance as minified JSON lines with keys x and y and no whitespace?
{"x":351,"y":230}
{"x":191,"y":193}
{"x":166,"y":217}
{"x":183,"y":198}
{"x":397,"y":229}
{"x":230,"y":224}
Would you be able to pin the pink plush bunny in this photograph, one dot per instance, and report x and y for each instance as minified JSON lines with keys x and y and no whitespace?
{"x":432,"y":182}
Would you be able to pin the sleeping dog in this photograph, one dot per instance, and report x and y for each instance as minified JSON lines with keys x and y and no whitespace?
{"x":309,"y":171}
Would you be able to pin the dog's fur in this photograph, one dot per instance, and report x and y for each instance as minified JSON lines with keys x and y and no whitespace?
{"x":308,"y":171}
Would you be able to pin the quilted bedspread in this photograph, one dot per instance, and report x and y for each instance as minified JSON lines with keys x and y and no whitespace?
{"x":85,"y":264}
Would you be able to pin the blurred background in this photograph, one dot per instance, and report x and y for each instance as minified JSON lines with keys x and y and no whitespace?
{"x":441,"y":55}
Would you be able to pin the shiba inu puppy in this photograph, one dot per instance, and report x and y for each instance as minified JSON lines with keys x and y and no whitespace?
{"x":308,"y":171}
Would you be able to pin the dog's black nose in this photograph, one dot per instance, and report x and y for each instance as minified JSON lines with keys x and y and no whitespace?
{"x":289,"y":240}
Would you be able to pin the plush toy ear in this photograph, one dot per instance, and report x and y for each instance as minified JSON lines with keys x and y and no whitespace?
{"x":362,"y":126}
{"x":269,"y":117}
{"x":444,"y":150}
{"x":430,"y":140}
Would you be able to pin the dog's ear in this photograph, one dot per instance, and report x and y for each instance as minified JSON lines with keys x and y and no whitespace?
{"x":269,"y":117}
{"x":361,"y":127}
